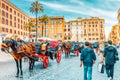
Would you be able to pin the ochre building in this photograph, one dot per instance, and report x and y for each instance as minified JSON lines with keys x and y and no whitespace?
{"x":12,"y":19}
{"x":53,"y":29}
{"x":91,"y":29}
{"x":115,"y":32}
{"x":67,"y":32}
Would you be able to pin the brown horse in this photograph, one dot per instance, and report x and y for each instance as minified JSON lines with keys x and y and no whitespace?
{"x":18,"y":52}
{"x":67,"y":48}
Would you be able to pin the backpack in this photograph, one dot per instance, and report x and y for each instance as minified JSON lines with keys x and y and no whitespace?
{"x":110,"y":57}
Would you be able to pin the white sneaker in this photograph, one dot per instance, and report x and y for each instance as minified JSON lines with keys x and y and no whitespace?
{"x":110,"y":78}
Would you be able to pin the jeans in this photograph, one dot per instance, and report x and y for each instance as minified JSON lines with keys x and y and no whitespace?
{"x":87,"y":72}
{"x":110,"y":70}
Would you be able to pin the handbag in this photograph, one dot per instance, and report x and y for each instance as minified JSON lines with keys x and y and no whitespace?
{"x":101,"y":67}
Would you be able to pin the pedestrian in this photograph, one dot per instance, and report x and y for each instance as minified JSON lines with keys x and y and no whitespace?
{"x":87,"y":58}
{"x":110,"y":54}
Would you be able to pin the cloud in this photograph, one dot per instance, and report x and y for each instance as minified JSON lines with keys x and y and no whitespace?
{"x":81,"y":7}
{"x":109,"y":16}
{"x":115,"y":0}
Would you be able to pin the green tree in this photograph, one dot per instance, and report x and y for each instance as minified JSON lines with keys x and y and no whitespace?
{"x":29,"y":25}
{"x":44,"y":19}
{"x":36,"y":7}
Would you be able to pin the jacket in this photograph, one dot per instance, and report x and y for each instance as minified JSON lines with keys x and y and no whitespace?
{"x":87,"y":56}
{"x":110,"y":54}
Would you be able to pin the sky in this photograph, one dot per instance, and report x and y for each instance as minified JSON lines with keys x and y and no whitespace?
{"x":71,"y":9}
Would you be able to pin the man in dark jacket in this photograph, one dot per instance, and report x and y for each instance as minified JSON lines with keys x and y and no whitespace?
{"x":88,"y":58}
{"x":110,"y":54}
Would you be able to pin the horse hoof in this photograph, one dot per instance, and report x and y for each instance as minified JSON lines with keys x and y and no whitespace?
{"x":20,"y":76}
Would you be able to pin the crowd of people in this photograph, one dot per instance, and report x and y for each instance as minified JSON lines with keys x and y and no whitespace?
{"x":106,"y":54}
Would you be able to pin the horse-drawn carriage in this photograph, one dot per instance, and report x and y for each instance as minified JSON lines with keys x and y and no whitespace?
{"x":75,"y":48}
{"x":71,"y":47}
{"x":47,"y":50}
{"x":31,"y":50}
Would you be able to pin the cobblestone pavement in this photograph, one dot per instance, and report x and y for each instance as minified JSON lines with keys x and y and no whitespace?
{"x":67,"y":69}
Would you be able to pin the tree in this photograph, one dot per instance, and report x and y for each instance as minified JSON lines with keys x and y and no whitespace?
{"x":36,"y":8}
{"x":44,"y":20}
{"x":29,"y":25}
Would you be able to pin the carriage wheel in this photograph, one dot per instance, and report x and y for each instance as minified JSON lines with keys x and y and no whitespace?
{"x":58,"y":56}
{"x":45,"y":62}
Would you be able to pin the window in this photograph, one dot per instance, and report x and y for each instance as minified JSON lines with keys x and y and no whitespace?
{"x":76,"y":23}
{"x":11,"y":10}
{"x":6,"y":15}
{"x":14,"y":12}
{"x":3,"y":20}
{"x":84,"y":25}
{"x":10,"y":30}
{"x":21,"y":21}
{"x":14,"y":24}
{"x":68,"y":29}
{"x":15,"y":18}
{"x":18,"y":14}
{"x":96,"y":22}
{"x":89,"y":34}
{"x":24,"y":17}
{"x":92,"y":22}
{"x":65,"y":38}
{"x":14,"y":31}
{"x":96,"y":38}
{"x":33,"y":30}
{"x":21,"y":26}
{"x":3,"y":5}
{"x":68,"y":37}
{"x":6,"y":29}
{"x":18,"y":20}
{"x":11,"y":23}
{"x":64,"y":29}
{"x":10,"y":16}
{"x":84,"y":22}
{"x":3,"y":29}
{"x":85,"y":31}
{"x":18,"y":25}
{"x":7,"y":8}
{"x":3,"y":13}
{"x":6,"y":22}
{"x":18,"y":32}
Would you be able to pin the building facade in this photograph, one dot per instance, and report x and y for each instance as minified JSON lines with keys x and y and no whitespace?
{"x":12,"y":19}
{"x":53,"y":29}
{"x":67,"y":33}
{"x":91,"y":29}
{"x":115,"y":31}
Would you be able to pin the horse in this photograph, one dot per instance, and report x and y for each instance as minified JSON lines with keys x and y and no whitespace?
{"x":67,"y":48}
{"x":18,"y":53}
